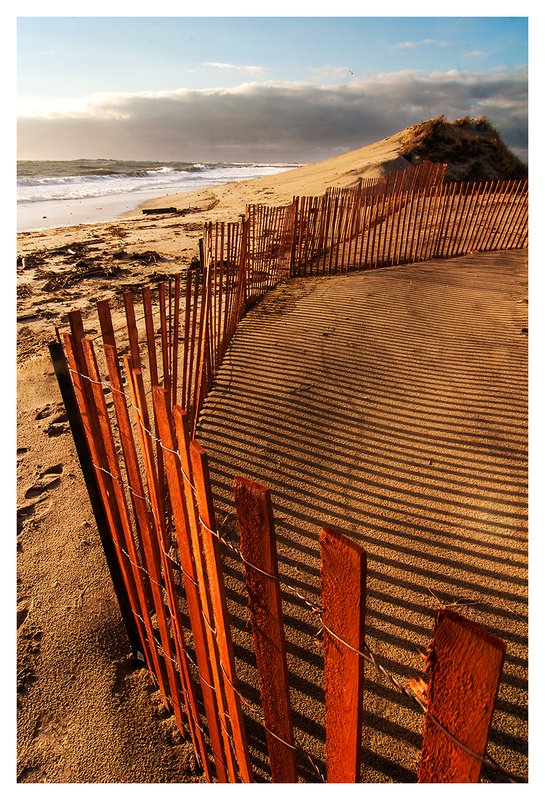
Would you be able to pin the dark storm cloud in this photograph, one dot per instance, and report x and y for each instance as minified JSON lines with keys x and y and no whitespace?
{"x":275,"y":120}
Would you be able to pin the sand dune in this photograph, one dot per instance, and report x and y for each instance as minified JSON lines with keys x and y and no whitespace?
{"x":343,"y":170}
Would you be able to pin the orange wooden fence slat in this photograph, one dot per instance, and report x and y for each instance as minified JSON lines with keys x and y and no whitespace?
{"x":258,"y":547}
{"x":219,"y":602}
{"x":152,"y":561}
{"x":163,"y":330}
{"x":465,"y":668}
{"x":175,"y":339}
{"x":123,"y":534}
{"x":195,"y":583}
{"x":132,"y":328}
{"x":343,"y":564}
{"x":213,"y":674}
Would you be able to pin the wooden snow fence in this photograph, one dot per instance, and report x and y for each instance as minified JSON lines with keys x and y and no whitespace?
{"x":404,"y":218}
{"x":133,"y":396}
{"x":149,"y":484}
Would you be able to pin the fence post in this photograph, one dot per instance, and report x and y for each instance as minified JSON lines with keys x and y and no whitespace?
{"x":344,"y":570}
{"x":67,"y":393}
{"x":258,"y":548}
{"x":465,"y":664}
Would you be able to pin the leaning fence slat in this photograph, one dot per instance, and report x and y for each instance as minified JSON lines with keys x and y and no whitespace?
{"x":258,"y":548}
{"x":196,"y":586}
{"x":175,"y":339}
{"x":105,"y":484}
{"x":151,"y":561}
{"x":159,"y":565}
{"x":66,"y":388}
{"x":165,"y":349}
{"x":465,"y":667}
{"x":343,"y":572}
{"x":219,"y":602}
{"x":132,"y":329}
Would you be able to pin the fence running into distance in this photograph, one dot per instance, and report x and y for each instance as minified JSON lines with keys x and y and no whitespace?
{"x":134,"y":419}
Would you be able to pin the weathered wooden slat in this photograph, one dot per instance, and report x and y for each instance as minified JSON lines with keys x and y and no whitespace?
{"x":465,"y":665}
{"x":196,"y":587}
{"x":66,"y":388}
{"x":343,"y":572}
{"x":175,"y":340}
{"x":132,"y":328}
{"x":165,"y":350}
{"x":258,"y":548}
{"x":219,"y":603}
{"x":149,"y":534}
{"x":88,"y":413}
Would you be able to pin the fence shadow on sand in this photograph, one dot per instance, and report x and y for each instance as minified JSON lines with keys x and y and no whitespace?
{"x":390,"y":405}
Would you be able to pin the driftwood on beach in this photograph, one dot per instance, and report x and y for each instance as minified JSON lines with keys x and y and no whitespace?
{"x":170,"y":210}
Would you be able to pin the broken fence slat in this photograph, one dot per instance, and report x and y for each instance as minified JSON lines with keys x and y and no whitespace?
{"x":343,"y":572}
{"x":258,"y":547}
{"x":465,"y":667}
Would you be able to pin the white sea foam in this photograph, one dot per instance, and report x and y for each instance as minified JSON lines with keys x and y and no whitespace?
{"x":51,"y":200}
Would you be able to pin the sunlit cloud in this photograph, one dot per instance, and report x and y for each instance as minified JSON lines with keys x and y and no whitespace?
{"x":421,"y":43}
{"x":273,"y":120}
{"x":237,"y":67}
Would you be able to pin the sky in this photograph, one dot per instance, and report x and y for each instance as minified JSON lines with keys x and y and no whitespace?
{"x":267,"y":88}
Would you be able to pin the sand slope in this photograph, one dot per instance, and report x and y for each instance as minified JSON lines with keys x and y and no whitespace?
{"x":371,"y":161}
{"x":392,"y":406}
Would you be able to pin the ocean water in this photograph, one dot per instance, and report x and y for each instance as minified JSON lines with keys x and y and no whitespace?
{"x":57,"y":193}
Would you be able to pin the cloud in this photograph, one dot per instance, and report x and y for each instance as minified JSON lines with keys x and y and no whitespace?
{"x":271,"y":120}
{"x":238,"y":67}
{"x":421,"y":43}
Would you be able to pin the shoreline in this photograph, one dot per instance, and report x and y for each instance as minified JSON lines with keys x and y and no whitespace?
{"x":51,"y":212}
{"x":83,"y":212}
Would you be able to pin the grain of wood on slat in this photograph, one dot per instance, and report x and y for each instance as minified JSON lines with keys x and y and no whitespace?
{"x":258,"y":547}
{"x":219,"y":603}
{"x":465,"y":666}
{"x":343,"y":574}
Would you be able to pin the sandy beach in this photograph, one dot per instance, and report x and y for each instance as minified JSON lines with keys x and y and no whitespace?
{"x":403,"y":423}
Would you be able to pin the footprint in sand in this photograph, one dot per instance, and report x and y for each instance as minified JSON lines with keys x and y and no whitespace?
{"x":58,"y":427}
{"x":45,"y":411}
{"x":21,"y":452}
{"x":58,"y":424}
{"x":32,"y":512}
{"x":38,"y":495}
{"x":48,"y":479}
